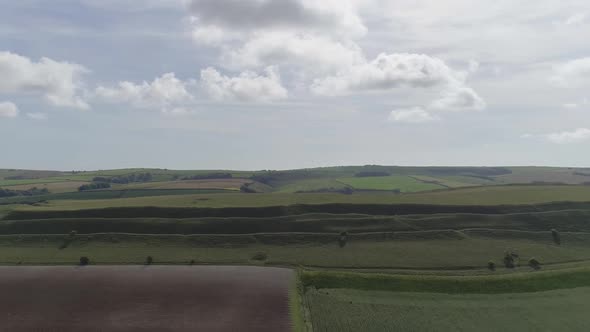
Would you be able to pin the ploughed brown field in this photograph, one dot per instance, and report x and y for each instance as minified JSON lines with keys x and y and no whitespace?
{"x":144,"y":298}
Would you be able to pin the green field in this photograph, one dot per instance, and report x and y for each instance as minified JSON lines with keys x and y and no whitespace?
{"x":354,"y":310}
{"x":402,"y":183}
{"x":493,"y":195}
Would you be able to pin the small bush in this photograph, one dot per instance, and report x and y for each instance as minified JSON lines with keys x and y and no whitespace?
{"x":84,"y":261}
{"x":192,"y":262}
{"x":534,"y":263}
{"x":260,"y":256}
{"x":149,"y":260}
{"x":491,"y":266}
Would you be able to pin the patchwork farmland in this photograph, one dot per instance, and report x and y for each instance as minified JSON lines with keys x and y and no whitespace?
{"x":328,"y":249}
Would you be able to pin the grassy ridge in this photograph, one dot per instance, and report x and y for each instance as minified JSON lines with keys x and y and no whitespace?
{"x":276,"y":211}
{"x":402,"y":183}
{"x":490,"y":195}
{"x":565,"y":220}
{"x":442,"y":251}
{"x":513,"y":283}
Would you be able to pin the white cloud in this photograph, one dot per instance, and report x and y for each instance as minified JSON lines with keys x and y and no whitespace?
{"x":59,"y":82}
{"x":211,"y":35}
{"x":411,"y":115}
{"x":248,"y":86}
{"x":576,"y":19}
{"x":37,"y":116}
{"x":572,"y":73}
{"x":575,"y":136}
{"x":570,"y":106}
{"x":8,"y":110}
{"x":310,"y":52}
{"x":386,"y":72}
{"x":306,"y":36}
{"x":457,"y":99}
{"x":162,"y":93}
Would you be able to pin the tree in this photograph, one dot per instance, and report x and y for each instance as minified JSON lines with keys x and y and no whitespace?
{"x":492,"y":266}
{"x":509,"y":260}
{"x":245,"y":188}
{"x":556,"y":236}
{"x":534,"y":263}
{"x":84,"y":261}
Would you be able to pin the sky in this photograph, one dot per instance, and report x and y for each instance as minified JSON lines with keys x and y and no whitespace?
{"x":282,"y":84}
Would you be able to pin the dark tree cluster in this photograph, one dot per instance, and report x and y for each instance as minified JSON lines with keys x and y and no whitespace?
{"x":94,"y":186}
{"x":345,"y":191}
{"x":511,"y":259}
{"x":124,"y":179}
{"x":268,"y":177}
{"x":208,"y":176}
{"x":15,"y":177}
{"x":534,"y":263}
{"x":245,"y":188}
{"x":29,"y":192}
{"x":365,"y":174}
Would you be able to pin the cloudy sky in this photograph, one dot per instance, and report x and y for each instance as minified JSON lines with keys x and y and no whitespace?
{"x":276,"y":84}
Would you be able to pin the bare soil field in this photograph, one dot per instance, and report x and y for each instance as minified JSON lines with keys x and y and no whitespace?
{"x":144,"y":298}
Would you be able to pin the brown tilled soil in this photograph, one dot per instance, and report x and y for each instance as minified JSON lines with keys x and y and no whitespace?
{"x":138,"y":298}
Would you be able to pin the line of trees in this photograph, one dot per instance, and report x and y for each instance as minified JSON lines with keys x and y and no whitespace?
{"x":124,"y":179}
{"x":29,"y":192}
{"x":365,"y":174}
{"x":94,"y":186}
{"x":208,"y":176}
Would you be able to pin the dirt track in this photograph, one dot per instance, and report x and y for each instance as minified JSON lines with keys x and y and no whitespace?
{"x":137,"y":298}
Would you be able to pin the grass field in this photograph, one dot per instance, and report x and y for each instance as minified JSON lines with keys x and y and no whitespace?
{"x":492,"y":195}
{"x":53,"y":187}
{"x":355,"y":310}
{"x":289,"y":249}
{"x":402,"y":183}
{"x":309,"y":185}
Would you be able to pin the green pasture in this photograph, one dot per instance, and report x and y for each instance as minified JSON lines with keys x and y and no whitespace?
{"x":355,"y":310}
{"x":402,"y":183}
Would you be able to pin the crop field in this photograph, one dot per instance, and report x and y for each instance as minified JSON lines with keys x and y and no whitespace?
{"x":357,"y":310}
{"x":146,"y":298}
{"x":546,"y":174}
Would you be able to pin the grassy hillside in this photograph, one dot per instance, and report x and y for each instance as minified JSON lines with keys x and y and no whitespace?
{"x":437,"y":252}
{"x":395,"y":182}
